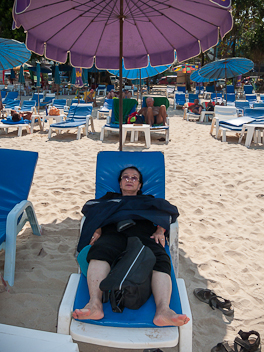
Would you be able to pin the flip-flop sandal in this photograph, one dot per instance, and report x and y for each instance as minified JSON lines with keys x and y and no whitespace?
{"x":214,"y":301}
{"x":240,"y":345}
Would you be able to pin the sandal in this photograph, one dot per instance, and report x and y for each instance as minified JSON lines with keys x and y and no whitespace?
{"x":214,"y":301}
{"x":240,"y":345}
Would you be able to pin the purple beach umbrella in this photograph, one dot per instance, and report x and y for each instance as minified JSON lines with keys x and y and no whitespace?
{"x":107,"y":31}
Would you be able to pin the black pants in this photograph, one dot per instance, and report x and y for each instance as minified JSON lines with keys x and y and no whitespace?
{"x":112,"y":243}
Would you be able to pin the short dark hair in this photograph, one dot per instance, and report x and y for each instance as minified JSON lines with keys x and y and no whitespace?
{"x":140,"y":176}
{"x":16,"y":117}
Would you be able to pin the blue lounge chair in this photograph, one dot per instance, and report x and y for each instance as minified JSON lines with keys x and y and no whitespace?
{"x":230,"y":98}
{"x":255,"y":113}
{"x":252,"y":98}
{"x":37,"y":97}
{"x":192,"y":97}
{"x":47,"y":100}
{"x":248,"y":89}
{"x":3,"y":94}
{"x":241,"y":106}
{"x":106,"y":109}
{"x":101,"y":89}
{"x":60,"y":104}
{"x":179,"y":100}
{"x":10,"y":96}
{"x":112,"y":125}
{"x":79,"y":117}
{"x":15,"y":209}
{"x":230,"y":89}
{"x":133,"y":328}
{"x":28,"y":105}
{"x":258,"y":105}
{"x":181,"y":89}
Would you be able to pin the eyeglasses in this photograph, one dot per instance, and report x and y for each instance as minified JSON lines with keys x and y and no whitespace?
{"x":128,"y":178}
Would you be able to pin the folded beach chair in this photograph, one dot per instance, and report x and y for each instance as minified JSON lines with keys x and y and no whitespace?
{"x":106,"y":109}
{"x":14,"y":338}
{"x":79,"y":118}
{"x":112,"y":125}
{"x":222,"y":113}
{"x":158,"y":101}
{"x":131,"y":329}
{"x":17,"y":173}
{"x":233,"y":125}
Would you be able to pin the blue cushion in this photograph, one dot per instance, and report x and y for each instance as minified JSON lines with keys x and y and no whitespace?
{"x":9,"y":121}
{"x":139,"y":318}
{"x":69,"y":123}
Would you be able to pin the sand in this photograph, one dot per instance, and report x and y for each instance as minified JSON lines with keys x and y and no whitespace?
{"x":219,"y":190}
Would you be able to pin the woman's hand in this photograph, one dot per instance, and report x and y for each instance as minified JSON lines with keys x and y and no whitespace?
{"x":158,"y":236}
{"x":96,"y":235}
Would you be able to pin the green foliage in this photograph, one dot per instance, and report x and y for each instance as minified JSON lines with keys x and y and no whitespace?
{"x":6,"y":21}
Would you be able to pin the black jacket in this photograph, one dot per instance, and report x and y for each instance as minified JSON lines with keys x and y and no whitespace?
{"x":114,"y":207}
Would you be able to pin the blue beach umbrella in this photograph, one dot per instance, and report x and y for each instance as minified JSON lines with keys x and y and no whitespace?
{"x":140,"y":73}
{"x":12,"y":53}
{"x":226,"y":68}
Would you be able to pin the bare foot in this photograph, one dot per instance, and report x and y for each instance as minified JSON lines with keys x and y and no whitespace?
{"x":90,"y":311}
{"x":167,"y":317}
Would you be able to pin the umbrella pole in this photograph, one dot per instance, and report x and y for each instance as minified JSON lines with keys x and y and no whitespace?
{"x":140,"y":87}
{"x":121,"y":22}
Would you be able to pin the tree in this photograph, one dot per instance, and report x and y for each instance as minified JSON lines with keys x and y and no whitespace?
{"x":6,"y":21}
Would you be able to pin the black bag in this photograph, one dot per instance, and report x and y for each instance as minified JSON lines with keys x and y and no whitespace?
{"x":129,"y":282}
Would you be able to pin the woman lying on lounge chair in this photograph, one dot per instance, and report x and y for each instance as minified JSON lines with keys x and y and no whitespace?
{"x":107,"y":243}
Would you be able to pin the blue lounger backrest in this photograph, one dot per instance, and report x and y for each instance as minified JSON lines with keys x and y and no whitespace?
{"x":230,"y":89}
{"x":80,"y":111}
{"x":3,"y":94}
{"x":11,"y":104}
{"x":181,"y":89}
{"x":231,"y":97}
{"x":242,"y":104}
{"x":35,"y":96}
{"x":248,"y":89}
{"x":14,"y":189}
{"x":150,"y":164}
{"x":12,"y":95}
{"x":251,"y":97}
{"x":28,"y":104}
{"x":77,"y":101}
{"x":257,"y":112}
{"x":59,"y":103}
{"x":152,"y":167}
{"x":192,"y":97}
